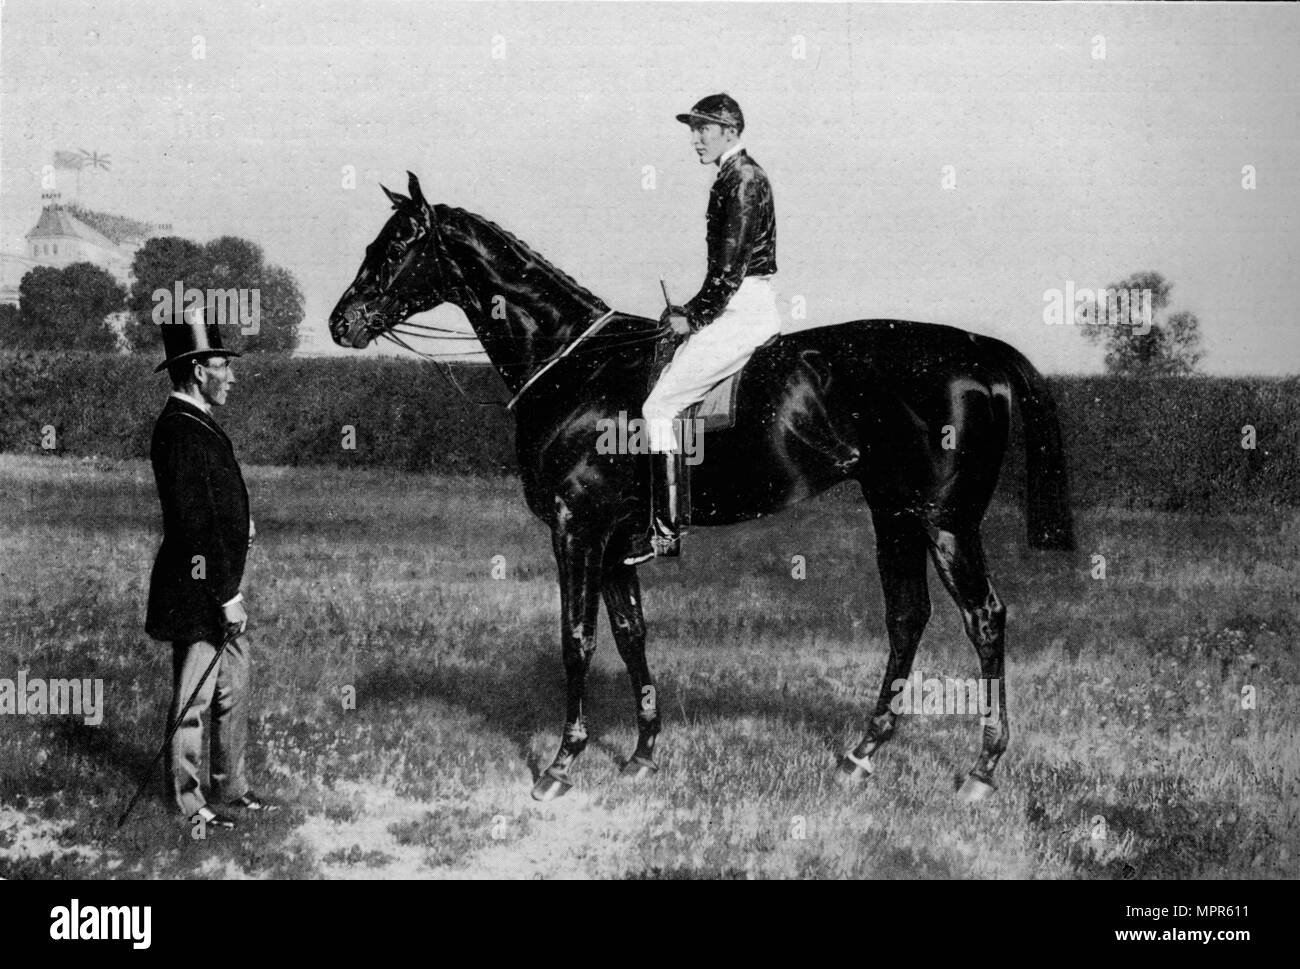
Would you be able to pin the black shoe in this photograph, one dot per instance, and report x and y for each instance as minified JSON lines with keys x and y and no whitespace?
{"x":212,"y":819}
{"x":249,"y":801}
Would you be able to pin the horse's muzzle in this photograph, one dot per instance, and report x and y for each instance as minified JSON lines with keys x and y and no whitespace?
{"x":350,"y":329}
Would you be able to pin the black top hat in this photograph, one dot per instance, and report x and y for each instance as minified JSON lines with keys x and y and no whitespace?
{"x":190,"y":338}
{"x":715,"y":109}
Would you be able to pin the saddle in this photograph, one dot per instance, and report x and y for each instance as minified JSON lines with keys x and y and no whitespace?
{"x":717,"y":411}
{"x":718,"y":408}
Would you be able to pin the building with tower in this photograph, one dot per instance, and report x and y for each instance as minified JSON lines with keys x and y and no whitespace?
{"x":65,"y":234}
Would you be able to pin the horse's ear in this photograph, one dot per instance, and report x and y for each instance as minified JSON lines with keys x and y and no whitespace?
{"x":397,"y":200}
{"x":417,"y":195}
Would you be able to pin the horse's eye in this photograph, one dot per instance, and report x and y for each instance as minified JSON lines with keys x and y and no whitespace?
{"x":390,"y":265}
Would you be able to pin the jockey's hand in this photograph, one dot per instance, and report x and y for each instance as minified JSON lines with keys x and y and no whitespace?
{"x":675,"y":317}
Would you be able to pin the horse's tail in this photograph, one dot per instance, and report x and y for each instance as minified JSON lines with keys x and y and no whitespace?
{"x":1047,"y":486}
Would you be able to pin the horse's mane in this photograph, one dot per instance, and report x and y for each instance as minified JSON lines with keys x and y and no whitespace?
{"x":521,"y":249}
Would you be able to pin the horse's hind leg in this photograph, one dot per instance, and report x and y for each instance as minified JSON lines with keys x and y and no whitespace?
{"x":900,"y":556}
{"x":959,"y":559}
{"x":622,"y":591}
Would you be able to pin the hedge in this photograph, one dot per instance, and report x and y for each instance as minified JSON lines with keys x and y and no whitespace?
{"x":281,"y":411}
{"x":1165,"y":443}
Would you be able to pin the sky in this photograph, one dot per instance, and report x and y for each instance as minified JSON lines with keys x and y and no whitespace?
{"x":1080,"y":143}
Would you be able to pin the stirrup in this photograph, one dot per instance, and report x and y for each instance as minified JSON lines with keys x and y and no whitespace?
{"x":666,"y":546}
{"x":651,"y":545}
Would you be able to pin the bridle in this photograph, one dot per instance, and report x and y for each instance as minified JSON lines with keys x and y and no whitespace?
{"x":399,"y":334}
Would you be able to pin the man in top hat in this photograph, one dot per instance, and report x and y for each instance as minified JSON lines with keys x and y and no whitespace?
{"x":728,"y":319}
{"x":194,"y":597}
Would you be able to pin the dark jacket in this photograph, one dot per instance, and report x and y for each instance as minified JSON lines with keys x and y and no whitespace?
{"x":205,"y":512}
{"x":742,"y":236}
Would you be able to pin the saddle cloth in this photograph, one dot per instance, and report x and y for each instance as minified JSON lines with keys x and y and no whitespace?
{"x":718,"y":408}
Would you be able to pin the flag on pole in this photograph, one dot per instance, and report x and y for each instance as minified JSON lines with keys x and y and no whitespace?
{"x":93,"y":159}
{"x":68,"y":160}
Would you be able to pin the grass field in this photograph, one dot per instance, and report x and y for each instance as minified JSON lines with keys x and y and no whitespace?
{"x":1131,"y":754}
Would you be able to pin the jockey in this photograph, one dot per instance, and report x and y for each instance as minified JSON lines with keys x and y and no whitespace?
{"x":731,"y":316}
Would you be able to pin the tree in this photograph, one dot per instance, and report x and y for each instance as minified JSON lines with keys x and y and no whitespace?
{"x":232,"y":262}
{"x":235,"y":263}
{"x":1171,"y":347}
{"x":157,"y":266}
{"x":228,"y":263}
{"x":39,"y":331}
{"x":282,"y":313}
{"x":64,"y":309}
{"x":11,"y":327}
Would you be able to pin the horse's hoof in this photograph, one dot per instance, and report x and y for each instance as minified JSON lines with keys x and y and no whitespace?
{"x":638,"y":768}
{"x":973,"y":790}
{"x":852,"y":771}
{"x":851,"y":780}
{"x":549,"y":787}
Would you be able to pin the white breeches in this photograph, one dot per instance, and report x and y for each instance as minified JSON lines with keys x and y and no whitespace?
{"x":706,"y":358}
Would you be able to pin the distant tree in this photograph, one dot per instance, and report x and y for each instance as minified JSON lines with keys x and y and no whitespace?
{"x":11,"y":333}
{"x":282,"y":313}
{"x":157,"y":266}
{"x":64,"y":309}
{"x":235,"y":263}
{"x":40,"y":291}
{"x":232,"y":262}
{"x":1168,"y":347}
{"x":227,"y":263}
{"x":94,"y":295}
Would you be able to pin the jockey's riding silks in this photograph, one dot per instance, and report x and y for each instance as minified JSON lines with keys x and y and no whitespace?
{"x":735,"y":310}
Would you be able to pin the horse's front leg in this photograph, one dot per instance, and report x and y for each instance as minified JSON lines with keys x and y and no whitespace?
{"x":579,"y":559}
{"x":622,"y":592}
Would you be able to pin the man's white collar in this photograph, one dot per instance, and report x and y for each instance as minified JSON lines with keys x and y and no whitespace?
{"x":198,"y":402}
{"x":722,"y":159}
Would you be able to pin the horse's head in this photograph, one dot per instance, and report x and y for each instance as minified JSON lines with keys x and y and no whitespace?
{"x":399,"y":277}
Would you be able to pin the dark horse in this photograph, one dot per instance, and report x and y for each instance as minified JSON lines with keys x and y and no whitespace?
{"x":917,"y":414}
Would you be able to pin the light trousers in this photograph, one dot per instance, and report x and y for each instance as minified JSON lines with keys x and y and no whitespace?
{"x":708,"y":357}
{"x":225,"y":694}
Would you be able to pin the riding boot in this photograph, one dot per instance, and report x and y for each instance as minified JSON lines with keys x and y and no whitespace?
{"x":639,"y":548}
{"x":666,"y":505}
{"x":664,"y":513}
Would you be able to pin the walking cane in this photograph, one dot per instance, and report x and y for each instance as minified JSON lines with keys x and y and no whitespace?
{"x":144,"y":781}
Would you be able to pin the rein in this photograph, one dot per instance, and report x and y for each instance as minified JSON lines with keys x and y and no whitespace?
{"x":595,"y":327}
{"x":409,"y":330}
{"x":443,"y":369}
